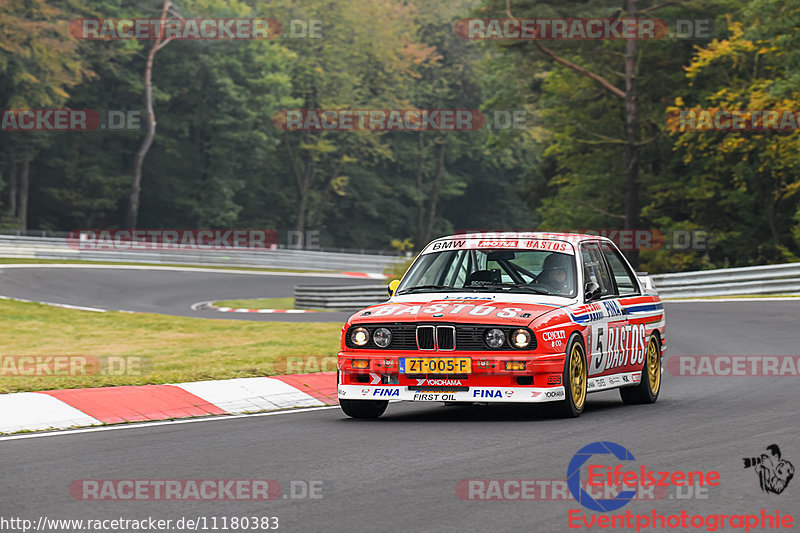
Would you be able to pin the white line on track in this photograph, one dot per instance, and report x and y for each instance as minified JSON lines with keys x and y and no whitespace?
{"x":136,"y":425}
{"x":65,"y":306}
{"x":208,"y":306}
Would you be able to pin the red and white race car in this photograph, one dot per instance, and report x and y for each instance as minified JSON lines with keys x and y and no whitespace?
{"x":506,"y":317}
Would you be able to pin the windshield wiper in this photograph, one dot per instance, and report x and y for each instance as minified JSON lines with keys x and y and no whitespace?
{"x":526,"y":288}
{"x":428,"y":288}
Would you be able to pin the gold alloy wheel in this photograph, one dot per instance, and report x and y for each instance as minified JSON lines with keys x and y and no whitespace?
{"x":653,"y":366}
{"x":577,"y":375}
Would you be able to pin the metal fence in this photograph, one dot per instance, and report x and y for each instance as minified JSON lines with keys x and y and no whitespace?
{"x":28,"y":247}
{"x":765,"y":280}
{"x":769,"y":279}
{"x":343,"y":297}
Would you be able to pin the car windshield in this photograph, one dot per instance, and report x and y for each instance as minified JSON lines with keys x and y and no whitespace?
{"x":522,"y":271}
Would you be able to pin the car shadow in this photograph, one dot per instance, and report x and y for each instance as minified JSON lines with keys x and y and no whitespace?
{"x":491,"y":412}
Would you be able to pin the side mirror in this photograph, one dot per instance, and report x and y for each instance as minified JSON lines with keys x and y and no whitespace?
{"x":591,"y":291}
{"x":393,"y":286}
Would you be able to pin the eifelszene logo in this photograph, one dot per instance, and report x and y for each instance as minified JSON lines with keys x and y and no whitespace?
{"x":623,"y":483}
{"x":774,"y":473}
{"x":574,"y":476}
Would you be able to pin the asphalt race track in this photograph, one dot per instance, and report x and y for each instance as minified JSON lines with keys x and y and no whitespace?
{"x":399,"y":473}
{"x":163,"y":291}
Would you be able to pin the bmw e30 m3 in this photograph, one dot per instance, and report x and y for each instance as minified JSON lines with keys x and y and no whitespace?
{"x":506,"y":317}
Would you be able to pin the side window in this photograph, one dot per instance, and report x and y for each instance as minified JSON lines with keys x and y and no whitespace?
{"x":626,"y":280}
{"x":594,"y":269}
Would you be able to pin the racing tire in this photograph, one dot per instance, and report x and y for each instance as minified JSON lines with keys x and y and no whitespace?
{"x":363,"y":408}
{"x":575,"y":379}
{"x":648,"y":388}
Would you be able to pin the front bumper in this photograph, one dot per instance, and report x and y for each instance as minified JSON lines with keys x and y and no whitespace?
{"x":499,"y":394}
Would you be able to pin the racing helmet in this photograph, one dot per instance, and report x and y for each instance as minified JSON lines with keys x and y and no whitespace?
{"x":555,"y":261}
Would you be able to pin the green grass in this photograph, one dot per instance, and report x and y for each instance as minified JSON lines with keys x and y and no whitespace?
{"x":27,"y":261}
{"x":174,"y":349}
{"x":261,"y":303}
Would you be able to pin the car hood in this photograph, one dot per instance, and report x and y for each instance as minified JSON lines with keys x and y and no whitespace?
{"x":515,"y":309}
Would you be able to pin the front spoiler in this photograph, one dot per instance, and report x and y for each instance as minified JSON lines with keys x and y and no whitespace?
{"x":474,"y":394}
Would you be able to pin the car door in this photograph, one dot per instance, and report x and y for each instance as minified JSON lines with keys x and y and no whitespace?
{"x":636,"y":308}
{"x":608,"y":325}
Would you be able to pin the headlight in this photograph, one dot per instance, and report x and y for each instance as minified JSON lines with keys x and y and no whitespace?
{"x":359,"y":336}
{"x":382,"y":337}
{"x":495,"y":338}
{"x":521,"y":338}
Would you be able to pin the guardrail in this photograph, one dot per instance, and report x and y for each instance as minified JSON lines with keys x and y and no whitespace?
{"x":770,"y":279}
{"x":743,"y":281}
{"x":26,"y":247}
{"x":342,"y":297}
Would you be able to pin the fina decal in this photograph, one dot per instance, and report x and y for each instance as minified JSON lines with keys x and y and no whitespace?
{"x":487,"y":394}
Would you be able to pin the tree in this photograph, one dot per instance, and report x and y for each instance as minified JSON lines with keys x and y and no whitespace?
{"x":356,"y":65}
{"x":38,"y":63}
{"x":629,"y":95}
{"x":745,"y":184}
{"x":150,"y":120}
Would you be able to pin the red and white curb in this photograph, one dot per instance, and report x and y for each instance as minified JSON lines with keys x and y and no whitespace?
{"x":68,"y":408}
{"x":208,"y":305}
{"x":368,"y":275}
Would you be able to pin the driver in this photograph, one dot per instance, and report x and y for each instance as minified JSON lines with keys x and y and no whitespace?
{"x":554,"y":272}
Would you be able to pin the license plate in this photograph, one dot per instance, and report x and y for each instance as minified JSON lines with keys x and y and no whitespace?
{"x":435,"y":365}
